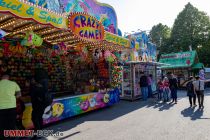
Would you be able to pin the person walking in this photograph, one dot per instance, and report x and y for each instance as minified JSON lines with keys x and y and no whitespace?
{"x":166,"y":90}
{"x":190,"y":92}
{"x":149,"y":80}
{"x":173,"y":87}
{"x":9,"y":92}
{"x":199,"y":90}
{"x":160,"y":87}
{"x":144,"y":86}
{"x":39,"y":89}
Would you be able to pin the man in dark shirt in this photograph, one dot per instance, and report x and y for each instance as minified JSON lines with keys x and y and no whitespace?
{"x":144,"y":86}
{"x":39,"y":87}
{"x":173,"y":87}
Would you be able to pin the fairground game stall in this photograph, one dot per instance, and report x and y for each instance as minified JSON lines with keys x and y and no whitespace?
{"x":79,"y":47}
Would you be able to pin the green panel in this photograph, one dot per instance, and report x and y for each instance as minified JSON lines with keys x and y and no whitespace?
{"x":178,"y":60}
{"x":198,"y":66}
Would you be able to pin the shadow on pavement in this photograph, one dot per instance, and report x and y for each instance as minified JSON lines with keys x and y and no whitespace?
{"x":193,"y":113}
{"x":166,"y":106}
{"x":105,"y":114}
{"x":120,"y":109}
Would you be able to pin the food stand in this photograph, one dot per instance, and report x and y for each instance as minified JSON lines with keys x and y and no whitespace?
{"x":141,"y":59}
{"x":76,"y":51}
{"x":183,"y":65}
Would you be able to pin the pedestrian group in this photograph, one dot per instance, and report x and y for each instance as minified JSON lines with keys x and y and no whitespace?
{"x":167,"y":88}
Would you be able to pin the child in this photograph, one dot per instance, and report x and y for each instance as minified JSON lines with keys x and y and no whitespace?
{"x":160,"y":89}
{"x":20,"y":109}
{"x":166,"y":90}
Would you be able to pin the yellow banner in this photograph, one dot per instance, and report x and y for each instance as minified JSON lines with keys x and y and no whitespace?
{"x":24,"y":10}
{"x":117,"y":39}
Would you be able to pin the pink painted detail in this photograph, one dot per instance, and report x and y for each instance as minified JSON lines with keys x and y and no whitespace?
{"x":84,"y":7}
{"x":85,"y":105}
{"x":188,"y":62}
{"x":99,"y":100}
{"x":111,"y":28}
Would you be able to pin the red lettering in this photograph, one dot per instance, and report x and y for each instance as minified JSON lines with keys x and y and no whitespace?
{"x":18,"y":133}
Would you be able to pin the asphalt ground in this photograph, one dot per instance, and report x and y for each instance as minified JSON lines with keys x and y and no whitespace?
{"x":140,"y":120}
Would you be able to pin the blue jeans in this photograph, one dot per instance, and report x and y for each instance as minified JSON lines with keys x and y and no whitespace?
{"x":166,"y":94}
{"x":174,"y":94}
{"x":160,"y":92}
{"x":150,"y":91}
{"x":144,"y":91}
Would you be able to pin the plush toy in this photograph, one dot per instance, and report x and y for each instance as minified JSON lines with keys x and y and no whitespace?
{"x":84,"y":52}
{"x":107,"y":54}
{"x":2,"y":33}
{"x":37,"y":40}
{"x":32,"y":39}
{"x":63,"y":48}
{"x":55,"y":50}
{"x":96,"y":55}
{"x":6,"y":50}
{"x":202,"y":74}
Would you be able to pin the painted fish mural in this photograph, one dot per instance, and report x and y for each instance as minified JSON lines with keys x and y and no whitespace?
{"x":71,"y":106}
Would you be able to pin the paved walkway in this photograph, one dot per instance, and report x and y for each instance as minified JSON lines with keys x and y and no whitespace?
{"x":140,"y":120}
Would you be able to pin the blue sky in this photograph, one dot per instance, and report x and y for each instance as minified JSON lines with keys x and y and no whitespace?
{"x":143,"y":14}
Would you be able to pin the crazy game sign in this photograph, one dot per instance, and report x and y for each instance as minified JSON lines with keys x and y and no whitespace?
{"x":86,"y":27}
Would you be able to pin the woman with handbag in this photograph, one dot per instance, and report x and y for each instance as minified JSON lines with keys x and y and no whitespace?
{"x":166,"y":90}
{"x":199,"y":87}
{"x":190,"y":92}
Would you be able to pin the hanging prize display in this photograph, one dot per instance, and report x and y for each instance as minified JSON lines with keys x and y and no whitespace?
{"x":31,"y":39}
{"x":2,"y":33}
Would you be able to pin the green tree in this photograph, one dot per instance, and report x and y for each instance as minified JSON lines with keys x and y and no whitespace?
{"x":191,"y":28}
{"x":204,"y":53}
{"x":160,"y":35}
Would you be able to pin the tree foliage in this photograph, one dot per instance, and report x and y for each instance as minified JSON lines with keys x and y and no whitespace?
{"x":160,"y":33}
{"x":191,"y":28}
{"x":204,"y":53}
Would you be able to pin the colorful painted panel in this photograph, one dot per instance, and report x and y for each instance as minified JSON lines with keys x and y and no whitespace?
{"x":53,"y":5}
{"x":152,"y":50}
{"x":71,"y":106}
{"x":103,"y":12}
{"x":145,"y":48}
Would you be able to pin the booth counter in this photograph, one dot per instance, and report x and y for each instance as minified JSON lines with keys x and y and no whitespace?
{"x":68,"y":106}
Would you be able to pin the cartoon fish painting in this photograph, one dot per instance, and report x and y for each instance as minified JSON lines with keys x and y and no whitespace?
{"x":47,"y":112}
{"x":85,"y":105}
{"x":58,"y":109}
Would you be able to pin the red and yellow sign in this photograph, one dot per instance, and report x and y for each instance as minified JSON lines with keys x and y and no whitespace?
{"x":86,"y":27}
